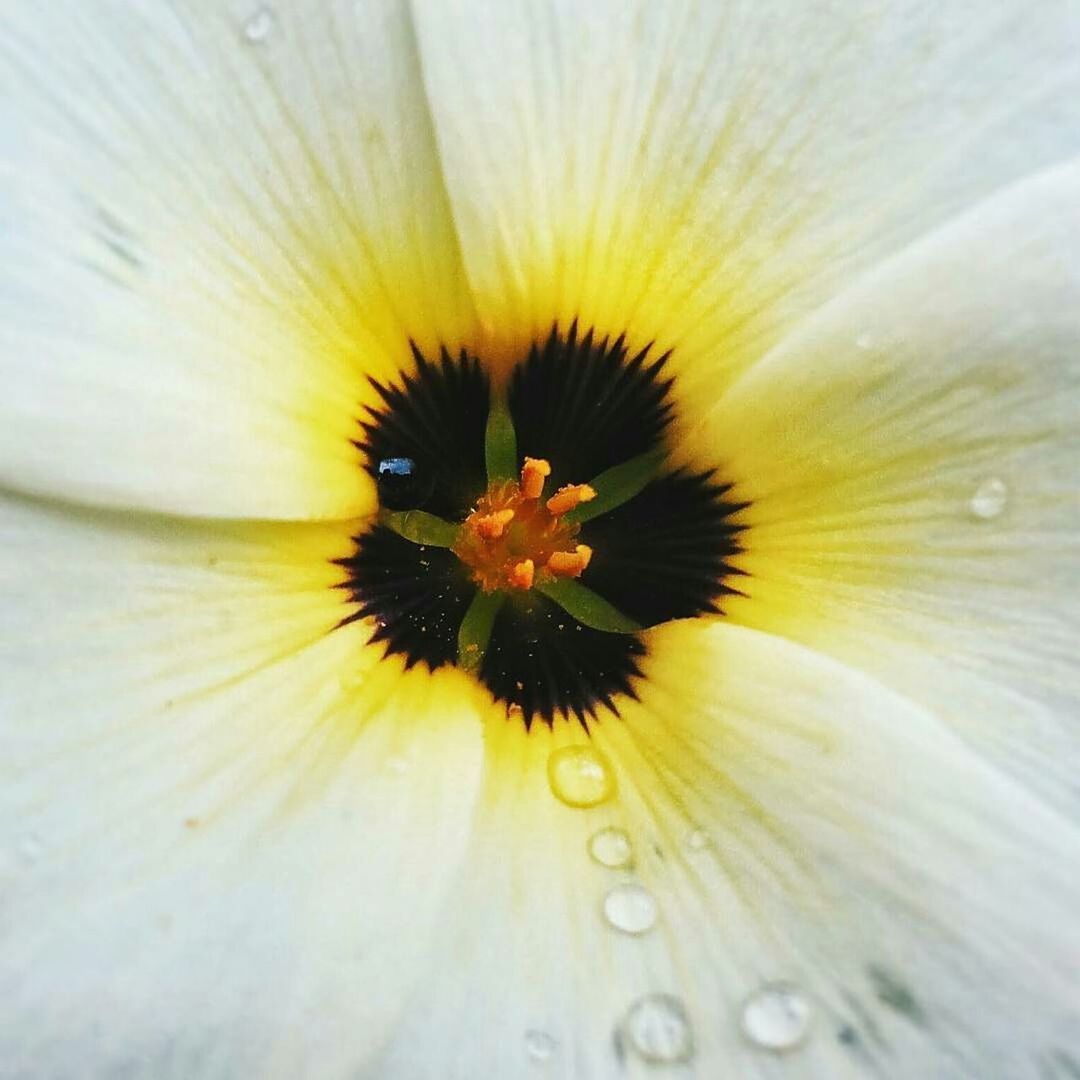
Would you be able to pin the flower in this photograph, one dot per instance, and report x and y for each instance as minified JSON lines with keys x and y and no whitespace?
{"x":262,"y":819}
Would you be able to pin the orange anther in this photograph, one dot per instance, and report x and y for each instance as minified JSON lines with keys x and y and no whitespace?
{"x":521,"y":576}
{"x":492,"y":526}
{"x":533,"y":474}
{"x":566,"y":498}
{"x":570,"y":563}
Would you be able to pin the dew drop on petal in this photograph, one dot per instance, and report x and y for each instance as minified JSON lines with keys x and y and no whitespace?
{"x":611,"y":848}
{"x":579,"y":776}
{"x":30,"y":847}
{"x":698,"y":840}
{"x":658,"y":1030}
{"x":777,"y":1017}
{"x":989,"y":499}
{"x":864,"y":341}
{"x":630,"y":908}
{"x":539,"y":1045}
{"x":351,"y":679}
{"x":259,"y":25}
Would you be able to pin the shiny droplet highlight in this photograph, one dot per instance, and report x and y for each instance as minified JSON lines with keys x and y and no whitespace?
{"x":631,"y":909}
{"x":777,"y":1017}
{"x":658,"y":1030}
{"x":580,"y":776}
{"x":611,"y":848}
{"x":30,"y":848}
{"x":259,"y":25}
{"x":988,"y":501}
{"x":698,"y":840}
{"x":539,"y":1046}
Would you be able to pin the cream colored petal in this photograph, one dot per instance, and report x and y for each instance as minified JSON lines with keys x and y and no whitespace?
{"x":794,"y":823}
{"x":703,"y":175}
{"x":226,"y":827}
{"x":218,"y":221}
{"x":913,"y":462}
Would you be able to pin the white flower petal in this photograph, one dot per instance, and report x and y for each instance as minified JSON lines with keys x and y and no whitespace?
{"x":795,"y":822}
{"x":225,"y":828}
{"x":702,"y":175}
{"x":217,"y":221}
{"x":913,"y":460}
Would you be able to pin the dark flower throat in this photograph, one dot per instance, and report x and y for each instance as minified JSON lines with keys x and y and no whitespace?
{"x":585,"y":406}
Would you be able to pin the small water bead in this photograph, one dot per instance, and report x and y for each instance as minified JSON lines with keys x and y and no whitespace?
{"x":777,"y":1017}
{"x":631,"y":908}
{"x":580,"y":776}
{"x":30,"y":848}
{"x":989,"y":499}
{"x":698,"y":840}
{"x":611,"y":848}
{"x":658,"y":1030}
{"x":351,"y":679}
{"x":864,"y":341}
{"x":258,"y":25}
{"x":539,"y":1045}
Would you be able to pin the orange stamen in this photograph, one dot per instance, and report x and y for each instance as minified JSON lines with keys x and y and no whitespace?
{"x":492,"y":526}
{"x":570,"y":563}
{"x":566,"y":498}
{"x":521,"y":577}
{"x":515,"y":540}
{"x":533,"y":474}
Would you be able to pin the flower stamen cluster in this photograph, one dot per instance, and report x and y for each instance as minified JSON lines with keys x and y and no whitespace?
{"x":513,"y":539}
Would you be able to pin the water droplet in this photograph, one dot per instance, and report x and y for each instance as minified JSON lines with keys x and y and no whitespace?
{"x":539,"y":1045}
{"x":659,"y":1031}
{"x":579,"y":776}
{"x":698,"y":840}
{"x":864,"y":341}
{"x":611,"y":848}
{"x":777,"y":1017}
{"x":30,"y":848}
{"x":989,"y":499}
{"x":352,"y":679}
{"x":259,"y":24}
{"x":630,"y":908}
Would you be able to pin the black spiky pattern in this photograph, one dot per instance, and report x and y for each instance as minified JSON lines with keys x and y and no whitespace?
{"x":436,"y":416}
{"x":666,"y":553}
{"x":546,"y":662}
{"x":585,"y":405}
{"x":416,"y":595}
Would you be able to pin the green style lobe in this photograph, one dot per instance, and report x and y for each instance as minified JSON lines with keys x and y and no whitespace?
{"x":589,"y":608}
{"x":420,"y":527}
{"x":500,"y":442}
{"x":475,"y":631}
{"x":618,"y":485}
